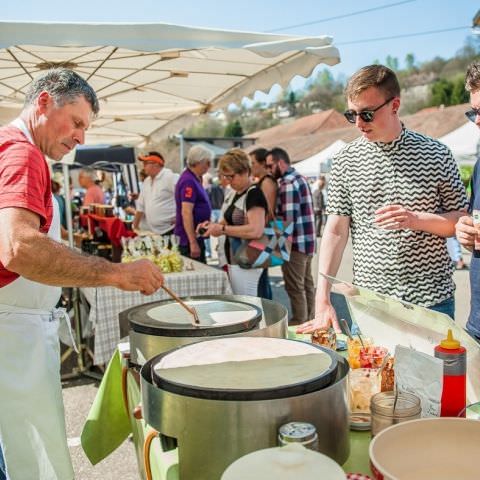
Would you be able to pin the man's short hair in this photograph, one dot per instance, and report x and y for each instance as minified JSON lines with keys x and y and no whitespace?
{"x":88,"y":172}
{"x":377,"y":76}
{"x":199,"y":154}
{"x":278,"y":154}
{"x":472,"y":78}
{"x":260,"y":155}
{"x":64,"y":86}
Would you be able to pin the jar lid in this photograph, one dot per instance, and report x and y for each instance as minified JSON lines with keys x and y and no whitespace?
{"x":297,"y":432}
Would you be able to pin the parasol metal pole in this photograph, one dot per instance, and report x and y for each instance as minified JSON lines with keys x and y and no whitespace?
{"x":68,"y":203}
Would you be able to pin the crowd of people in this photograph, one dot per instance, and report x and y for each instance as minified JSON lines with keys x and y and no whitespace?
{"x":252,"y":189}
{"x":396,"y":192}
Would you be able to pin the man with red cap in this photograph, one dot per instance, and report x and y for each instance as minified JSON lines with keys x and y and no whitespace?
{"x":156,"y":203}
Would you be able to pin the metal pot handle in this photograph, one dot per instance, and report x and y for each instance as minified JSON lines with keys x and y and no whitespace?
{"x":146,"y":453}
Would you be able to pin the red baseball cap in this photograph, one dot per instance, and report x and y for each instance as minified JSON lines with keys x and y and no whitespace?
{"x":152,"y":157}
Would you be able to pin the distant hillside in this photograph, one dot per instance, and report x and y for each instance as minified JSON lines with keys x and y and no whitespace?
{"x":432,"y":83}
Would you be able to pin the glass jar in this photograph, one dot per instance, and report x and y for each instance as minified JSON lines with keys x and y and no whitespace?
{"x":298,"y":432}
{"x":407,"y":407}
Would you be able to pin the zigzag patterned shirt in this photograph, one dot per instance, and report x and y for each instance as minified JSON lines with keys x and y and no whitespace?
{"x":420,"y":174}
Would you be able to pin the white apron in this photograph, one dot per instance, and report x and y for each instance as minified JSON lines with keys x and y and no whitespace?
{"x":32,"y":422}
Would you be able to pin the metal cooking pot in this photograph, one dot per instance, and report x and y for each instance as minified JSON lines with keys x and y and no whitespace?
{"x":157,"y":327}
{"x":215,"y":418}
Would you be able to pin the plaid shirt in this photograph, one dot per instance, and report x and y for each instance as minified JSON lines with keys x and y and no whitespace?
{"x":294,"y":204}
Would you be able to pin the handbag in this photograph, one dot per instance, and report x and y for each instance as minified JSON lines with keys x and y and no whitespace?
{"x":272,"y":249}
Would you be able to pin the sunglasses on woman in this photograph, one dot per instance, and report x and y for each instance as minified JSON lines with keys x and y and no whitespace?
{"x":472,"y":114}
{"x":365,"y":115}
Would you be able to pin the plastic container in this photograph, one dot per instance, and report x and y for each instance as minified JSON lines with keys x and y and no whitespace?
{"x":363,"y":383}
{"x":407,"y":407}
{"x":454,"y":393}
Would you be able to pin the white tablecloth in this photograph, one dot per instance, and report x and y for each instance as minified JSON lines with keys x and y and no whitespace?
{"x":107,"y":302}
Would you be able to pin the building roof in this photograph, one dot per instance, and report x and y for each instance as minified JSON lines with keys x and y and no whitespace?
{"x":437,"y":121}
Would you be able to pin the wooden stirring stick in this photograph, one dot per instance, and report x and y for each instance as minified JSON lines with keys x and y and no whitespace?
{"x":191,"y":310}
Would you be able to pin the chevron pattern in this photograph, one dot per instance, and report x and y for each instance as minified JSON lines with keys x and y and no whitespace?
{"x":414,"y":171}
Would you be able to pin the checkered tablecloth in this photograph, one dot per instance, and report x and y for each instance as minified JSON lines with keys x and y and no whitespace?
{"x":107,"y":302}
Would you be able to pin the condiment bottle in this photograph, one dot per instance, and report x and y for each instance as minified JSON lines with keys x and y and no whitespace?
{"x":454,"y":393}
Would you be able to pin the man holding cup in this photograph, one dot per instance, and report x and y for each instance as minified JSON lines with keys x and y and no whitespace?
{"x":468,"y":227}
{"x":400,"y":195}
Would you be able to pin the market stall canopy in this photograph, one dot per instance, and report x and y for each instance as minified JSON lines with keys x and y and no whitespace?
{"x":106,"y":158}
{"x":320,"y":162}
{"x":464,"y":142}
{"x":151,"y":78}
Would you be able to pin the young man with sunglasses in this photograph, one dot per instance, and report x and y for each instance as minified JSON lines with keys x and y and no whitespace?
{"x":466,"y":231}
{"x":400,"y":195}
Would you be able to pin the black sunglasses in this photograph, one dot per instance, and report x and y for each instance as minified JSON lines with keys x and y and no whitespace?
{"x":472,"y":114}
{"x":365,"y":115}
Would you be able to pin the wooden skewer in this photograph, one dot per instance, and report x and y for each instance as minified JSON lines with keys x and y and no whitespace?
{"x":191,"y":310}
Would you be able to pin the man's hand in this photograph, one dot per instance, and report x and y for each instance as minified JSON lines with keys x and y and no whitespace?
{"x":141,"y":275}
{"x":325,"y":317}
{"x":465,"y":231}
{"x":194,"y":249}
{"x":395,"y":217}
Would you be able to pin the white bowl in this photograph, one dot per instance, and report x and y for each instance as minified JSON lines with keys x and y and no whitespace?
{"x":427,"y":449}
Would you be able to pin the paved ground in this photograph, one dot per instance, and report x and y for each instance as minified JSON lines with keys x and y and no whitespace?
{"x":79,"y":394}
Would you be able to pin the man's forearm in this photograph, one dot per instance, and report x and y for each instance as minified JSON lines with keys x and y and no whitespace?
{"x":441,"y":224}
{"x":43,"y":260}
{"x":330,"y":258}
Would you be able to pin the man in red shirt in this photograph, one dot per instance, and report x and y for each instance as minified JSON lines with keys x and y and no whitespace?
{"x":59,"y":107}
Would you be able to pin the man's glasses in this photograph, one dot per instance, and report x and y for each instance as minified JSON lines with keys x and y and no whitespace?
{"x":365,"y":115}
{"x":472,"y":114}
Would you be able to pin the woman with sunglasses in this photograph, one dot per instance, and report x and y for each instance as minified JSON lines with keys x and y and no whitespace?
{"x":244,"y":219}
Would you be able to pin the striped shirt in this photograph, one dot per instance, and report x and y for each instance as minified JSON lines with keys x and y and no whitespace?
{"x":418,"y":173}
{"x":294,"y":204}
{"x":24,"y":182}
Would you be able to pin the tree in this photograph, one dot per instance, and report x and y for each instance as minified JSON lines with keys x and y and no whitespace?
{"x":410,"y":61}
{"x":234,"y":129}
{"x":442,"y":92}
{"x":292,"y":103}
{"x":459,"y":94}
{"x":392,"y":62}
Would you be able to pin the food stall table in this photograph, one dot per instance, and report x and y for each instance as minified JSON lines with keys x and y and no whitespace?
{"x":107,"y":302}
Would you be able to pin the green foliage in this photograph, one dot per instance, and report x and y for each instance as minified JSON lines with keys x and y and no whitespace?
{"x":466,"y":172}
{"x":449,"y":92}
{"x":233,"y":129}
{"x":459,"y":94}
{"x":410,"y":62}
{"x":206,"y":127}
{"x":441,"y":92}
{"x":392,"y":63}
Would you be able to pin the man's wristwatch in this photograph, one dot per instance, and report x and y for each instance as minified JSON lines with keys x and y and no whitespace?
{"x":223,"y":228}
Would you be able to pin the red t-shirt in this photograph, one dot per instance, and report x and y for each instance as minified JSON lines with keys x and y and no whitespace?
{"x":24,"y":182}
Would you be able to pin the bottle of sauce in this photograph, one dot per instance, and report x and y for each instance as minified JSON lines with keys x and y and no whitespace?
{"x":454,"y":393}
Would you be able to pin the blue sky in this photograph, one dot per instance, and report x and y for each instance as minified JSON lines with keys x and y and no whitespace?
{"x":260,"y":16}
